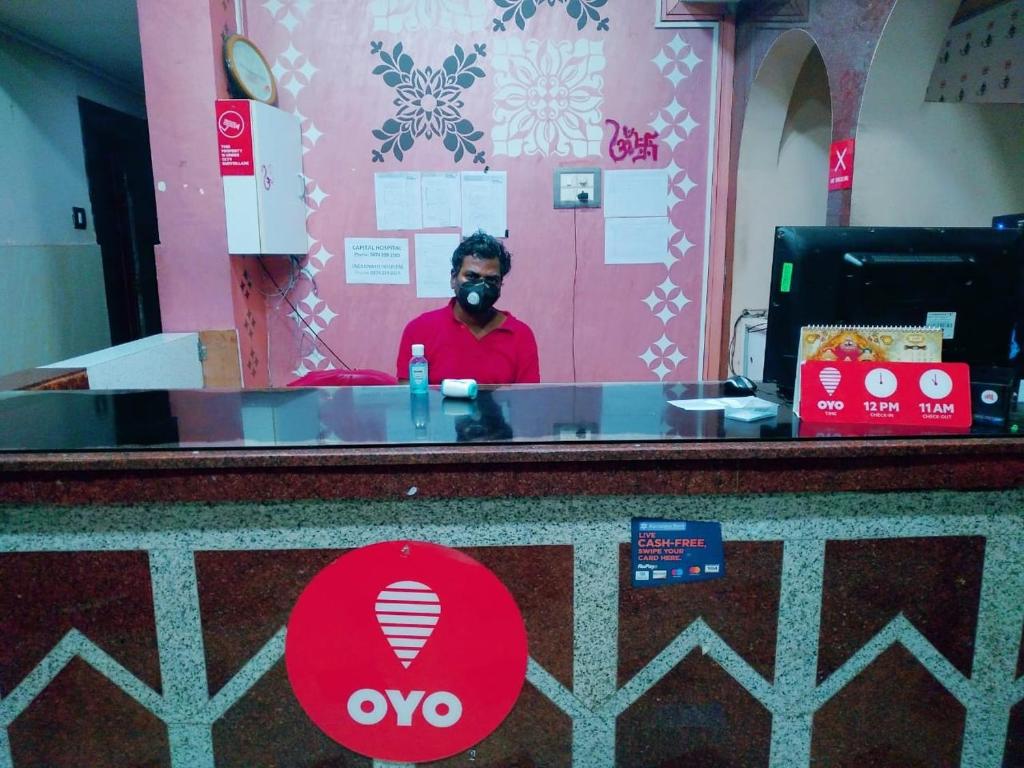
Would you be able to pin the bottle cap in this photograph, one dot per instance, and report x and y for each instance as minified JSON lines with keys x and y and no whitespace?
{"x":417,"y":350}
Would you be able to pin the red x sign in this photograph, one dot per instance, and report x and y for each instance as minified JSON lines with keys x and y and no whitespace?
{"x":840,"y":165}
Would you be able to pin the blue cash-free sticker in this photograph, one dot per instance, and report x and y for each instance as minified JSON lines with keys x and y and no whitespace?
{"x":675,"y":552}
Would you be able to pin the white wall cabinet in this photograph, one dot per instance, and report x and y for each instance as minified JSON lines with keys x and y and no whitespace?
{"x":260,"y":151}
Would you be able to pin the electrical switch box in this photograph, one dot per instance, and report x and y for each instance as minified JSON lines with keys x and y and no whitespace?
{"x":577,"y":188}
{"x":260,"y":152}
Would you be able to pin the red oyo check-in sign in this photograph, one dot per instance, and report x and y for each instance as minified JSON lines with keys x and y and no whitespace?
{"x":924,"y":395}
{"x":406,"y":651}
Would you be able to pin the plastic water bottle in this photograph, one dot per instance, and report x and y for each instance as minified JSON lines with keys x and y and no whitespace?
{"x":419,"y":380}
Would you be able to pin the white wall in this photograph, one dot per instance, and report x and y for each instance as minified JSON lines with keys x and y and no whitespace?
{"x":783,"y":166}
{"x":52,"y":299}
{"x":930,"y":164}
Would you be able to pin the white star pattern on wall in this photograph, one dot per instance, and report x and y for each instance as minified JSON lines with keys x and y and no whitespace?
{"x":398,"y":16}
{"x":314,"y":197}
{"x":317,"y":260}
{"x":288,"y":13}
{"x":293,"y":70}
{"x":679,"y":244}
{"x":679,"y":181}
{"x":310,"y":133}
{"x":659,"y":352}
{"x":314,"y":361}
{"x":314,"y":311}
{"x":668,"y":297}
{"x":674,"y":124}
{"x":679,"y":121}
{"x":548,"y":97}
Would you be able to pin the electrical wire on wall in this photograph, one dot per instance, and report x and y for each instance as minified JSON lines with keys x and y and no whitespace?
{"x":282,"y":294}
{"x":751,"y":313}
{"x":575,"y":271}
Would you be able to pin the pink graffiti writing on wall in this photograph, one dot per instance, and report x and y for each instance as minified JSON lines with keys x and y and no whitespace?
{"x":627,"y":142}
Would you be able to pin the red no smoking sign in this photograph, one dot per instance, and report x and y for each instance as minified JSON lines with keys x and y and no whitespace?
{"x":406,"y":651}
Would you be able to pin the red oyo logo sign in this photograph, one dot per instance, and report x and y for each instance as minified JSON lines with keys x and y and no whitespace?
{"x":406,"y":651}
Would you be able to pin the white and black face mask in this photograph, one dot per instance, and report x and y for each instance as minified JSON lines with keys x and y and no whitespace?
{"x":477,"y":296}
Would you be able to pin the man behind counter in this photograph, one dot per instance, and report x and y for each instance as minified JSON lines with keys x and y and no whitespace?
{"x":469,"y":338}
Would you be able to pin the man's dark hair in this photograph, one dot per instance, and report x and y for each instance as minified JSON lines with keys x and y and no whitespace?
{"x":483,"y":246}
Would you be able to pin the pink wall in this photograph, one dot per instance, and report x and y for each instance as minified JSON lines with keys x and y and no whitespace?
{"x":631,"y":72}
{"x":593,"y":321}
{"x":193,"y":272}
{"x":200,"y":286}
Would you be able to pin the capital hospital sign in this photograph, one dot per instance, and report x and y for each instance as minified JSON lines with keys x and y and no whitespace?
{"x":406,"y":651}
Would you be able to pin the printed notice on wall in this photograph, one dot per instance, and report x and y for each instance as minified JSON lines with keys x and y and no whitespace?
{"x":397,"y":196}
{"x":636,"y":193}
{"x":434,"y":265}
{"x":485,"y":202}
{"x":667,"y":552}
{"x":637,"y":240}
{"x":375,"y":261}
{"x":442,"y":200}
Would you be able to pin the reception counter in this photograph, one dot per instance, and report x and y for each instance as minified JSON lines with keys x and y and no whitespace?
{"x":152,"y":545}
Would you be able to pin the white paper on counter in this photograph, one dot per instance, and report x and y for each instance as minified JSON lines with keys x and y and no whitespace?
{"x":442,"y":200}
{"x":398,"y":200}
{"x":723,"y":403}
{"x":636,"y":193}
{"x":636,"y":241}
{"x":434,"y":265}
{"x":377,"y":260}
{"x":485,"y":202}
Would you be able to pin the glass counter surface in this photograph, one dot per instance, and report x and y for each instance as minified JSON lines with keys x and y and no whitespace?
{"x":390,"y":416}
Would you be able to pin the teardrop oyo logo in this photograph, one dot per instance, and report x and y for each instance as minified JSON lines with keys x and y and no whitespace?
{"x":406,"y":651}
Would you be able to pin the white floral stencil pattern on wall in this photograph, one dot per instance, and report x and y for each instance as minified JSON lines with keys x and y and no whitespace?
{"x":548,"y":97}
{"x":397,"y":16}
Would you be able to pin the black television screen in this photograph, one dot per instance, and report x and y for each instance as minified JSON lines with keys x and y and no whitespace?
{"x":971,"y":278}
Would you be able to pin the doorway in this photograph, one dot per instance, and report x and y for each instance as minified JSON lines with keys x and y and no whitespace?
{"x":120,"y":174}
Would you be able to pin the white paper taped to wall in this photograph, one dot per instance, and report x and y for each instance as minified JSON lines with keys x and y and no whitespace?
{"x":376,"y":260}
{"x":636,"y":241}
{"x":485,"y":202}
{"x":442,"y":200}
{"x":398,"y":200}
{"x":636,"y":193}
{"x":434,"y":264}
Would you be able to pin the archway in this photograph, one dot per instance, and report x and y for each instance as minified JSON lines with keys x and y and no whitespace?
{"x":781,"y":178}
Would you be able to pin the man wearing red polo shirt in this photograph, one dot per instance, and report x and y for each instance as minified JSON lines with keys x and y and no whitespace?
{"x":470,"y":338}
